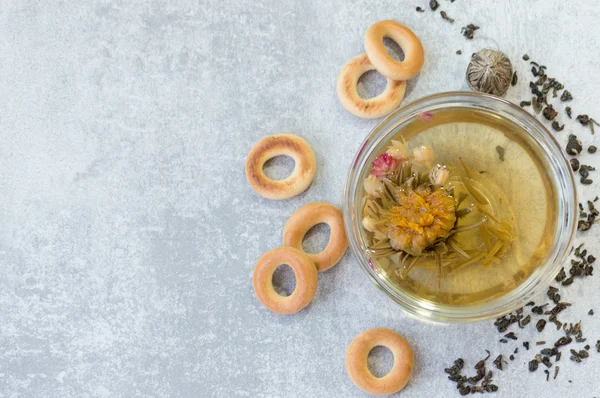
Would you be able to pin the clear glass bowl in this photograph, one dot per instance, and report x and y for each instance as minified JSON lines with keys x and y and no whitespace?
{"x":556,"y":168}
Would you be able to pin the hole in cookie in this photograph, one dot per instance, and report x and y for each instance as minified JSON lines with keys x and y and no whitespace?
{"x":393,"y":49}
{"x":279,"y":167}
{"x":380,"y":361}
{"x":371,"y":84}
{"x":284,"y":280}
{"x":316,"y":239}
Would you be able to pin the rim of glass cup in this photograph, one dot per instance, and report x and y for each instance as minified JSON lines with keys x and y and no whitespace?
{"x":540,"y":278}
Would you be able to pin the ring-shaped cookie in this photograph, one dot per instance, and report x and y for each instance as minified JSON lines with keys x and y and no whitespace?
{"x":276,"y":145}
{"x":306,"y":274}
{"x":356,"y":361}
{"x":372,"y":108}
{"x":307,"y":217}
{"x":406,"y":39}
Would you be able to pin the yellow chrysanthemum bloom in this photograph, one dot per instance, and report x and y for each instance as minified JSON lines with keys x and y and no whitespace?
{"x":422,"y":216}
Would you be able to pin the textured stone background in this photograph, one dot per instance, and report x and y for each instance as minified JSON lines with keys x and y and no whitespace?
{"x":129,"y":232}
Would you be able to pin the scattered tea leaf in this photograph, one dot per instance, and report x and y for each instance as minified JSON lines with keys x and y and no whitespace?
{"x":498,"y":362}
{"x":549,"y":112}
{"x":566,"y":96}
{"x":592,"y":149}
{"x":446,"y":17}
{"x":540,"y":325}
{"x":583,"y":119}
{"x":526,"y":57}
{"x":574,"y":164}
{"x":533,"y":365}
{"x":561,"y":275}
{"x":537,"y":104}
{"x":469,"y":31}
{"x":514,"y":79}
{"x":433,"y":4}
{"x":419,"y":9}
{"x":574,"y":146}
{"x":568,"y":110}
{"x":557,"y":127}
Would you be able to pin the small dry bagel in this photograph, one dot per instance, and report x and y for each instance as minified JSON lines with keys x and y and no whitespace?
{"x":275,"y":145}
{"x":307,"y":217}
{"x":356,"y":361}
{"x":306,"y":280}
{"x":371,"y":108}
{"x":406,"y":39}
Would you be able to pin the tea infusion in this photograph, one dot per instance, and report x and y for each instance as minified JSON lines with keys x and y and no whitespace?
{"x":456,"y":209}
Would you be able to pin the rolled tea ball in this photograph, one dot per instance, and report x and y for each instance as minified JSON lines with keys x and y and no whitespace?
{"x":490,"y":72}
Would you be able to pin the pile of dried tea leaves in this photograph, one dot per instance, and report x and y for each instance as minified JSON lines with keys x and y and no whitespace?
{"x":470,"y":384}
{"x":570,"y":341}
{"x":541,"y":87}
{"x":467,"y":31}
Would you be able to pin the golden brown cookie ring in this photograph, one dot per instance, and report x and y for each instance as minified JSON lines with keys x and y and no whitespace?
{"x":371,"y":108}
{"x":356,"y":361}
{"x":307,"y":217}
{"x":306,"y":280}
{"x":406,"y":39}
{"x":275,"y":145}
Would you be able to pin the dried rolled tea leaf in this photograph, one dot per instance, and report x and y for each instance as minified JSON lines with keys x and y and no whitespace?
{"x":574,"y":146}
{"x":523,"y":104}
{"x":490,"y":72}
{"x":592,"y":149}
{"x":458,"y":52}
{"x":419,"y":9}
{"x":549,"y":112}
{"x":514,"y":79}
{"x":540,"y":325}
{"x":533,"y":365}
{"x":566,"y":96}
{"x":583,"y":225}
{"x":446,"y":17}
{"x":498,"y":362}
{"x":557,"y":127}
{"x":469,"y":31}
{"x":583,"y":119}
{"x":569,"y":111}
{"x":546,"y":361}
{"x":574,"y":164}
{"x":433,"y":4}
{"x":537,"y":104}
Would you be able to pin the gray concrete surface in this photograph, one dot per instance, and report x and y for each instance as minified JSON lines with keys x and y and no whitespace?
{"x":129,"y":232}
